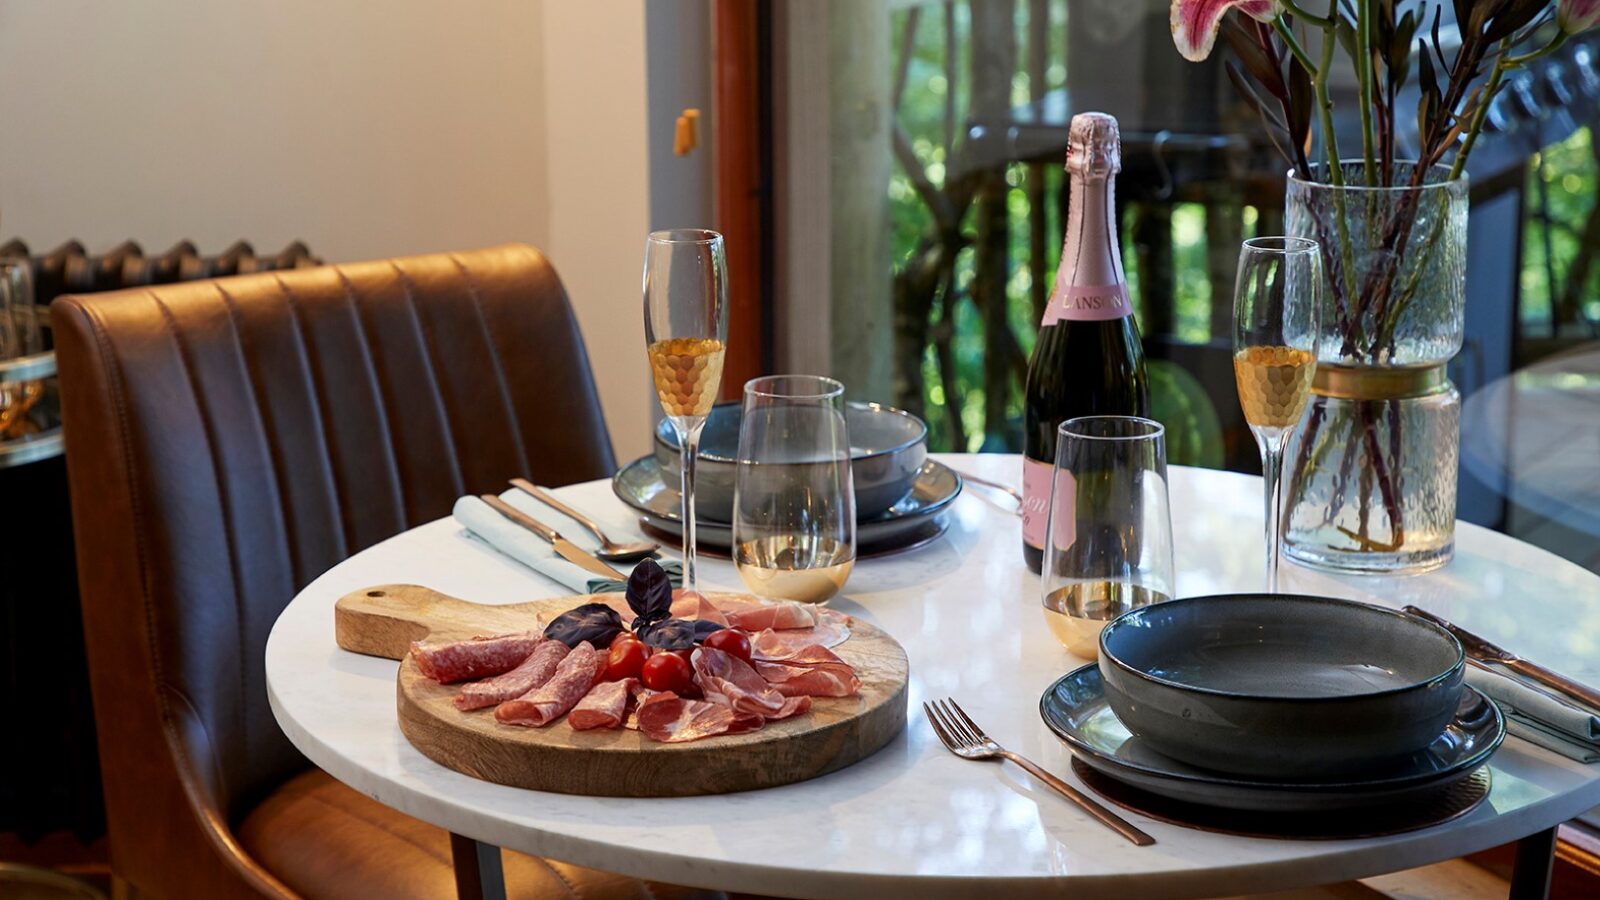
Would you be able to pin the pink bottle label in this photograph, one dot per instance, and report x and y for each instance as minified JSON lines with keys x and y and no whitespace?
{"x":1035,"y":500}
{"x":1096,"y":303}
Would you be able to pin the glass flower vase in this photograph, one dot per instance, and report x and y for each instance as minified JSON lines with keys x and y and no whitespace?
{"x":1371,"y":472}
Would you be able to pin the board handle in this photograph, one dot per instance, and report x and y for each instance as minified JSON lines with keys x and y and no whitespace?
{"x":384,"y":619}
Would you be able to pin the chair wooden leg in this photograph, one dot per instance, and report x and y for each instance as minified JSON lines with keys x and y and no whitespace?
{"x":479,"y":874}
{"x":1530,"y":875}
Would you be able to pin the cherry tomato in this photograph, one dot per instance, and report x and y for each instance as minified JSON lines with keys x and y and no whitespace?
{"x":667,"y":672}
{"x":626,"y":659}
{"x":731,"y":642}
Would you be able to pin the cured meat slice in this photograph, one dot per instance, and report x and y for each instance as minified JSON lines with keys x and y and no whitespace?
{"x":787,"y":614}
{"x":695,"y":605}
{"x":774,"y":645}
{"x":731,"y":681}
{"x":605,"y":706}
{"x":469,"y":660}
{"x":533,"y":672}
{"x":815,"y":671}
{"x":573,"y":678}
{"x":668,"y":718}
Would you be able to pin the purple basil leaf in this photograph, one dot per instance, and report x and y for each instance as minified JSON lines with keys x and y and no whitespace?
{"x":596,"y":623}
{"x":670,"y":634}
{"x":649,"y":593}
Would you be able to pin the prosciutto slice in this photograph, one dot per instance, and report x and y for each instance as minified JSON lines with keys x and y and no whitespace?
{"x":532,"y":673}
{"x":605,"y":706}
{"x":774,"y":645}
{"x":573,"y":678}
{"x":695,"y":605}
{"x":815,"y":671}
{"x":787,"y":614}
{"x":468,"y":660}
{"x":730,"y":681}
{"x":671,"y":719}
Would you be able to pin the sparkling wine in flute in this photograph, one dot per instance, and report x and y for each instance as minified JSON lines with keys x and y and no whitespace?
{"x":687,"y":373}
{"x":1088,"y":360}
{"x":1274,"y":383}
{"x":685,"y":330}
{"x":793,"y":568}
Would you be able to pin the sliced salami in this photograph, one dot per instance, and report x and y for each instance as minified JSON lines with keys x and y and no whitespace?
{"x":472,"y":659}
{"x":605,"y":706}
{"x":532,"y":673}
{"x":573,"y":678}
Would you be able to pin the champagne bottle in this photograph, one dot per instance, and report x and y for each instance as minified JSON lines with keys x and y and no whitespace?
{"x":1088,"y":360}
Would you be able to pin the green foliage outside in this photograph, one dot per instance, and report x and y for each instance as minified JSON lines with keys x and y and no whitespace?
{"x":1566,"y":172}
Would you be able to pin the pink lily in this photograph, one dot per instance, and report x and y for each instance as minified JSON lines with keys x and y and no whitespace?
{"x":1195,"y":22}
{"x":1576,"y":16}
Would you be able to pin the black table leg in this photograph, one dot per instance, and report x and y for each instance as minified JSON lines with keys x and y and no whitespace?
{"x":1530,"y":875}
{"x":479,"y":875}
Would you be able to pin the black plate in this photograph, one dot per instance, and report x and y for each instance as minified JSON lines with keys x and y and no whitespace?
{"x":639,"y":484}
{"x":1075,"y":708}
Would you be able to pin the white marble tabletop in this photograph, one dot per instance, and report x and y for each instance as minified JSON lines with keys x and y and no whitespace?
{"x":913,"y":819}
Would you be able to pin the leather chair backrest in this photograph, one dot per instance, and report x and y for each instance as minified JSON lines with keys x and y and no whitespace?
{"x":229,"y":440}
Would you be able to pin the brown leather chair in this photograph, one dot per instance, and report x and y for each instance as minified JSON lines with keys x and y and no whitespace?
{"x":228,"y":441}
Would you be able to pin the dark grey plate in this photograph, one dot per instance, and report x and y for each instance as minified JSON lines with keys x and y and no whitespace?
{"x":887,"y":449}
{"x":1075,"y":708}
{"x":641,"y":485}
{"x":1281,"y":686}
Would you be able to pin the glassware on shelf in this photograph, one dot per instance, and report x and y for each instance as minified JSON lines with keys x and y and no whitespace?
{"x":686,"y":329}
{"x":794,"y":514}
{"x":1109,"y":535}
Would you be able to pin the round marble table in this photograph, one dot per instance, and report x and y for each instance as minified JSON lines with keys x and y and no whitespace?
{"x":914,"y":819}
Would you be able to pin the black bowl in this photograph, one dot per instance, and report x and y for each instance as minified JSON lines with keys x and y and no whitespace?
{"x":1281,"y":686}
{"x":887,"y":447}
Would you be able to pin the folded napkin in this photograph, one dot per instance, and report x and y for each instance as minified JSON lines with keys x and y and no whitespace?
{"x":483,"y":523}
{"x":1553,"y":723}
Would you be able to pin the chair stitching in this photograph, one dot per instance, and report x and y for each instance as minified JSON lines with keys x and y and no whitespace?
{"x":572,"y":889}
{"x":325,"y":438}
{"x":451,"y":436}
{"x":318,"y":798}
{"x":222,"y":500}
{"x":512,"y":420}
{"x":393,"y":457}
{"x":268,"y":431}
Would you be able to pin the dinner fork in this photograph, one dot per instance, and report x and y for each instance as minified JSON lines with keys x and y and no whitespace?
{"x":964,"y":738}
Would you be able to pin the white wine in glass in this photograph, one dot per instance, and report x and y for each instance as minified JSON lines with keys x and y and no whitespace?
{"x":686,"y":330}
{"x":794,"y":522}
{"x":1275,"y":308}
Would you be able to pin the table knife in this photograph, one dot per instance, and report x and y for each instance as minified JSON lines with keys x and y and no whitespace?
{"x":564,"y":548}
{"x":1486,"y":651}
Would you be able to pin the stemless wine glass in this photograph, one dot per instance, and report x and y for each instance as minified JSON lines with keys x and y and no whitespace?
{"x":1275,"y":307}
{"x":1108,"y":539}
{"x":794,"y":509}
{"x":686,"y":327}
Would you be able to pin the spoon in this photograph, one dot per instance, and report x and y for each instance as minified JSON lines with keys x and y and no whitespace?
{"x":609,"y":550}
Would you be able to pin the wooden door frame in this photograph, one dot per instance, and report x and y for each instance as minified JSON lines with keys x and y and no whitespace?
{"x":741,"y":144}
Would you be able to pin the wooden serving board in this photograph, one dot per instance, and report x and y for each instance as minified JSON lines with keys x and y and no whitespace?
{"x":385,"y":619}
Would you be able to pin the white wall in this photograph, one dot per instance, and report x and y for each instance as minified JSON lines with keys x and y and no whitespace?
{"x":365,"y":129}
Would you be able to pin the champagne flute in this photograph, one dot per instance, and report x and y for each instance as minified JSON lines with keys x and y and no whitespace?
{"x":1275,"y":308}
{"x":686,"y":328}
{"x":794,"y":514}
